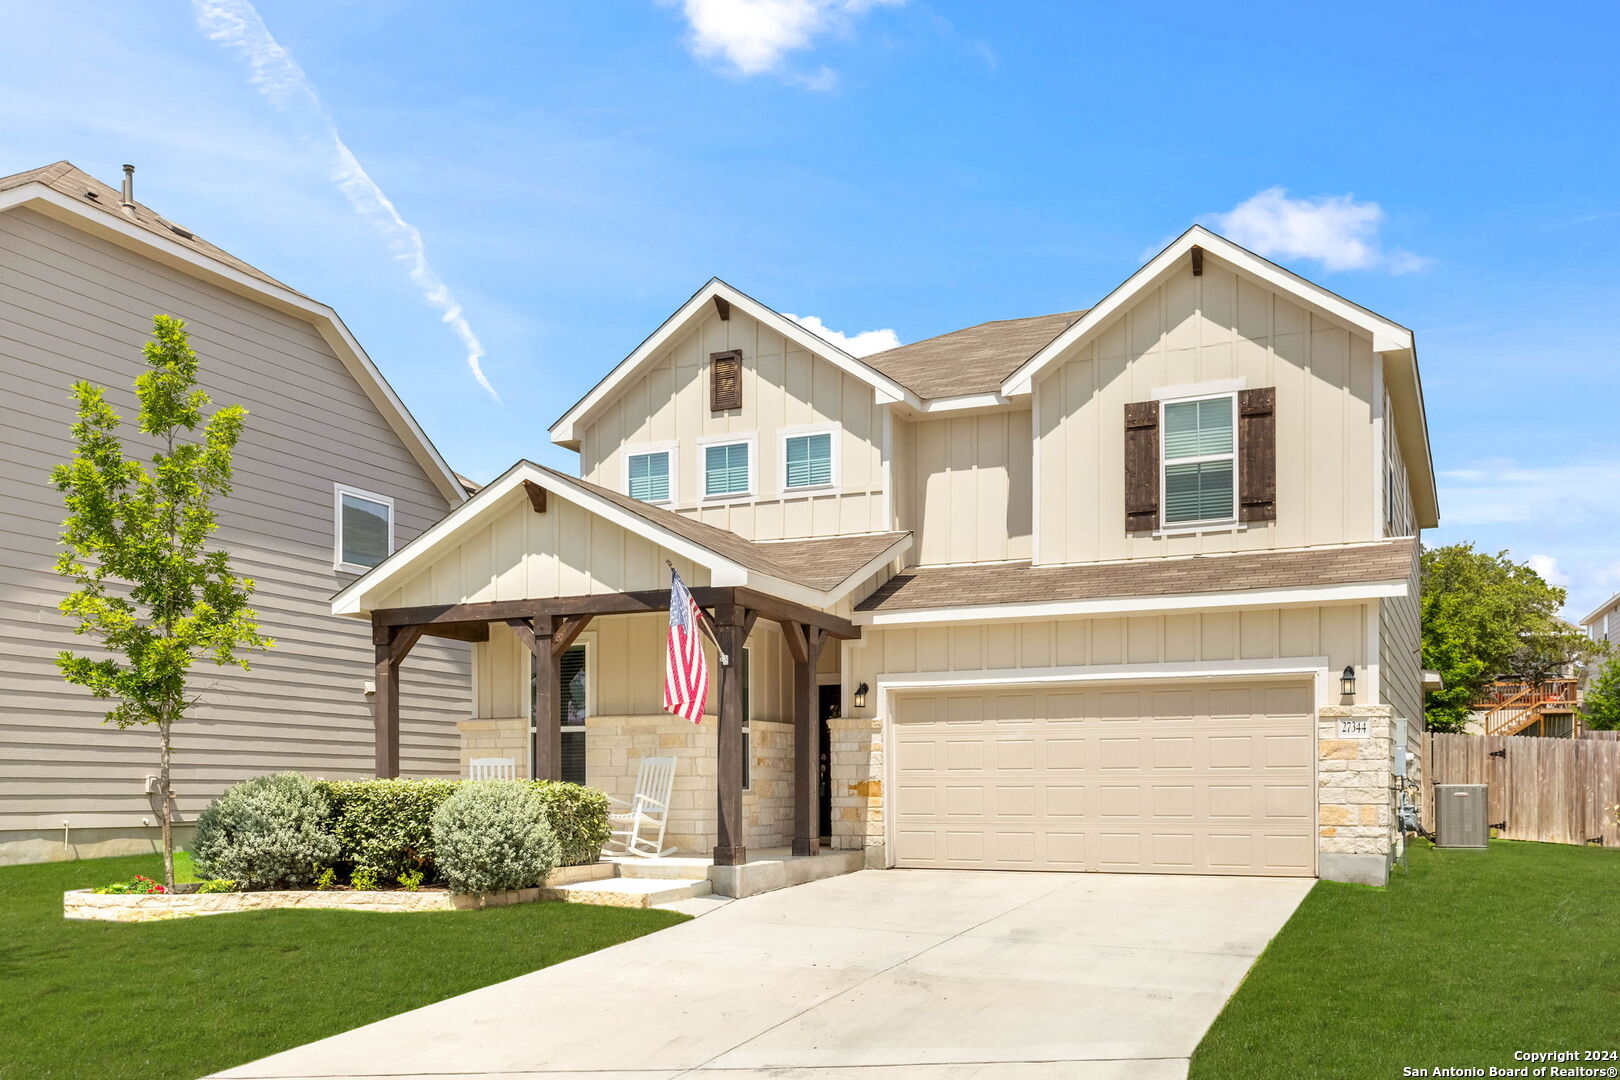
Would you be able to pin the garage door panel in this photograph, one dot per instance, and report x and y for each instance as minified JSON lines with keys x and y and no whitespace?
{"x":1193,"y":781}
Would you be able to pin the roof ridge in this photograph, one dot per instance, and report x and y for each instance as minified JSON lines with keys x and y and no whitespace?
{"x":974,"y":326}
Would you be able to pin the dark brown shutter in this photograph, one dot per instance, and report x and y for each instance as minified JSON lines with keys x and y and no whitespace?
{"x":1142,"y":466}
{"x":725,"y":380}
{"x":1257,"y":454}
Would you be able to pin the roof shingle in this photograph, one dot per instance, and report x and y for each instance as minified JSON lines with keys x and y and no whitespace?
{"x":1022,"y":583}
{"x":970,"y":361}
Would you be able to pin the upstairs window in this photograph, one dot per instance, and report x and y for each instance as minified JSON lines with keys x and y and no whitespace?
{"x":649,"y":476}
{"x":364,"y":529}
{"x":1200,"y":460}
{"x":809,"y":460}
{"x":727,"y":469}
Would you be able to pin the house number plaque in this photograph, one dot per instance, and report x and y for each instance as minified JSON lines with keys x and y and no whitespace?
{"x":1354,"y":727}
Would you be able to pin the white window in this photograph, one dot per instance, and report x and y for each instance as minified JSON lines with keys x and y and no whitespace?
{"x":728,"y":468}
{"x":809,"y":458}
{"x":1199,"y":452}
{"x":363,"y":529}
{"x":649,"y":473}
{"x":573,"y":706}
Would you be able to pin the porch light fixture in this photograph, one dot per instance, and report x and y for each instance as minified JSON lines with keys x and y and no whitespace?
{"x":860,"y":696}
{"x":1347,"y":681}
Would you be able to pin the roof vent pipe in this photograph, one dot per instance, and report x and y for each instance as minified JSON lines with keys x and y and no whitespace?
{"x":129,"y":189}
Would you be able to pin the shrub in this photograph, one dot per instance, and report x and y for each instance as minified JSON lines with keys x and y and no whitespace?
{"x":492,"y":835}
{"x":217,"y":885}
{"x":364,"y":879}
{"x":386,"y":826}
{"x":326,"y":879}
{"x":578,"y":817}
{"x":264,"y":832}
{"x":410,"y":880}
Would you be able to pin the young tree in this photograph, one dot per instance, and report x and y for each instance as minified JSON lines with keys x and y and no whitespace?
{"x":1485,"y":616}
{"x":1600,"y":706}
{"x":147,"y":589}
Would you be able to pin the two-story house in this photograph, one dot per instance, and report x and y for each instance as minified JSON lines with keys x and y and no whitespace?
{"x":330,"y":473}
{"x":1124,"y":589}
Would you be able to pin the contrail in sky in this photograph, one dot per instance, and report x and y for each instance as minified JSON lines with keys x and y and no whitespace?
{"x":236,"y":25}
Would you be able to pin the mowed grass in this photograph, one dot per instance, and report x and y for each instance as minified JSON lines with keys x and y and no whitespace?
{"x":183,"y":998}
{"x":1466,"y":957}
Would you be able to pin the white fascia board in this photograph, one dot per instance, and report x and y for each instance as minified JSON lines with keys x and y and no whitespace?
{"x":54,"y":204}
{"x":1386,"y":336}
{"x":563,"y":432}
{"x":1306,"y":595}
{"x":964,"y":402}
{"x":1280,"y":668}
{"x":352,"y":600}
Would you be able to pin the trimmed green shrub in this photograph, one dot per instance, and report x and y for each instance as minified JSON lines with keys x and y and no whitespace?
{"x":492,"y":835}
{"x":386,"y":826}
{"x":265,"y":832}
{"x":578,"y":816}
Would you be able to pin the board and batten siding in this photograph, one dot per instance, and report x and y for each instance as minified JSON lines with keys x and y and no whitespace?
{"x":1186,"y":332}
{"x":967,"y":492}
{"x":1337,"y":632}
{"x":783,"y":387}
{"x":1400,"y":659}
{"x":75,"y":307}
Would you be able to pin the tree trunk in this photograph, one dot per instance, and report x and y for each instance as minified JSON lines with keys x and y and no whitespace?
{"x":163,"y":810}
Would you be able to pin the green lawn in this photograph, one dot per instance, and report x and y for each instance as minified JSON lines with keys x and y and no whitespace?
{"x":1464,"y":958}
{"x":183,"y":998}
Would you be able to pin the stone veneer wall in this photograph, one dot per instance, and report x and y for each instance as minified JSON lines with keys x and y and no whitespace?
{"x":615,"y":745}
{"x":857,"y":785}
{"x":1355,"y":803}
{"x":507,"y":737}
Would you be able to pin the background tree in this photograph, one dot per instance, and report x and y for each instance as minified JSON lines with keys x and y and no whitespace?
{"x":1600,"y":705}
{"x":156,"y":600}
{"x":1486,"y":616}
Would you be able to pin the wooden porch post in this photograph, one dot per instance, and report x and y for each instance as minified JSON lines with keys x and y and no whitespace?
{"x":392,"y":644}
{"x":545,"y":742}
{"x":729,"y":848}
{"x":804,"y":643}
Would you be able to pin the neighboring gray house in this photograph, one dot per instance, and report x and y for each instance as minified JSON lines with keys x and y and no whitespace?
{"x":331,"y":474}
{"x":1604,"y":623}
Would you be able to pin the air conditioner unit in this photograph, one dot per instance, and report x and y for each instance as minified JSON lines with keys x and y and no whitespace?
{"x":1459,"y":816}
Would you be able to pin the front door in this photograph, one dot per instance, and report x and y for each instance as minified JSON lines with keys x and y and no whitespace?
{"x":831,"y":700}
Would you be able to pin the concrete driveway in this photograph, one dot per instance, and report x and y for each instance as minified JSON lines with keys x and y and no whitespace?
{"x":880,"y":975}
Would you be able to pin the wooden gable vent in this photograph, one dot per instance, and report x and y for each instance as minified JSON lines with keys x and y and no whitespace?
{"x":725,"y":380}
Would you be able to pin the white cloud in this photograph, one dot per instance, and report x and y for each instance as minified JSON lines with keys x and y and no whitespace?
{"x":1503,"y":492}
{"x":753,"y":36}
{"x":236,"y":25}
{"x":1335,"y":230}
{"x":1547,"y":567}
{"x":864,"y":343}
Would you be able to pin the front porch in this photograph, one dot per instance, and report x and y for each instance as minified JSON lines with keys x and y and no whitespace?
{"x":744,"y":776}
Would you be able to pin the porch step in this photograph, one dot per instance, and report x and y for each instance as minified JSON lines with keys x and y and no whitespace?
{"x":669,"y":868}
{"x":630,"y":892}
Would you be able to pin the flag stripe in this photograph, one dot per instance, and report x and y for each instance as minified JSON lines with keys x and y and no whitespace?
{"x":686,"y":669}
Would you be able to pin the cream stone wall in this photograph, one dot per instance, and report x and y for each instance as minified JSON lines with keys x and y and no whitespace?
{"x":784,"y":387}
{"x":1356,"y":794}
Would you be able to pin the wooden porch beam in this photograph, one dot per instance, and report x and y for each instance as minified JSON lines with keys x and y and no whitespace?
{"x":568,"y":629}
{"x":458,"y":631}
{"x":731,"y":628}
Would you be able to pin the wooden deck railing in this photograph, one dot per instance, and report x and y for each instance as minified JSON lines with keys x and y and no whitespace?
{"x":1509,"y":706}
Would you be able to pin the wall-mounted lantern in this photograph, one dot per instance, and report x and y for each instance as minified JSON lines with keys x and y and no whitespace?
{"x":860,"y":696}
{"x":1347,"y":681}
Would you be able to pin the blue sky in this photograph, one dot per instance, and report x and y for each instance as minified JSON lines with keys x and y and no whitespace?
{"x":575,"y":171}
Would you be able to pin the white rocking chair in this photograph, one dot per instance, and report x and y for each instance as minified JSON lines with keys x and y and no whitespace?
{"x":639,"y":827}
{"x":491,"y":768}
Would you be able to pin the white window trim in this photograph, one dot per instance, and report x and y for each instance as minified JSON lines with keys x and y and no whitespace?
{"x":747,"y":734}
{"x":836,"y":461}
{"x":1199,"y":524}
{"x":750,"y":440}
{"x":672,"y":450}
{"x":338,"y":491}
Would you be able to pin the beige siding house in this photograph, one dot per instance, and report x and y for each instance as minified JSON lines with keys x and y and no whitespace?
{"x":1604,"y":623}
{"x":1129,"y":588}
{"x":326,"y":442}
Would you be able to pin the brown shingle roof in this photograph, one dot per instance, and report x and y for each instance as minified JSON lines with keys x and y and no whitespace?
{"x":83,"y":188}
{"x":820,"y":564}
{"x":1022,"y":583}
{"x":970,"y":361}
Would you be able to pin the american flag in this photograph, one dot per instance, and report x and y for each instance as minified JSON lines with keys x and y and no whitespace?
{"x":686,"y":670}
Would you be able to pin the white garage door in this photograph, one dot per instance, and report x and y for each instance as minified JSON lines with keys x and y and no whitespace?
{"x":1206,"y":779}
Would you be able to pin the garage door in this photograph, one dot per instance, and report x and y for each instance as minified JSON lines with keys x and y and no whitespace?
{"x":1207,"y":779}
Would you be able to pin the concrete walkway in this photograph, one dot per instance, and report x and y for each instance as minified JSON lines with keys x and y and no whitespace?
{"x":880,"y":975}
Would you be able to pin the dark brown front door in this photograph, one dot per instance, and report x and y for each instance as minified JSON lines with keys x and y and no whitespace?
{"x":831,"y":699}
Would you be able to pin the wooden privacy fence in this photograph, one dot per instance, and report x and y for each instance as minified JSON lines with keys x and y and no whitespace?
{"x":1554,"y":790}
